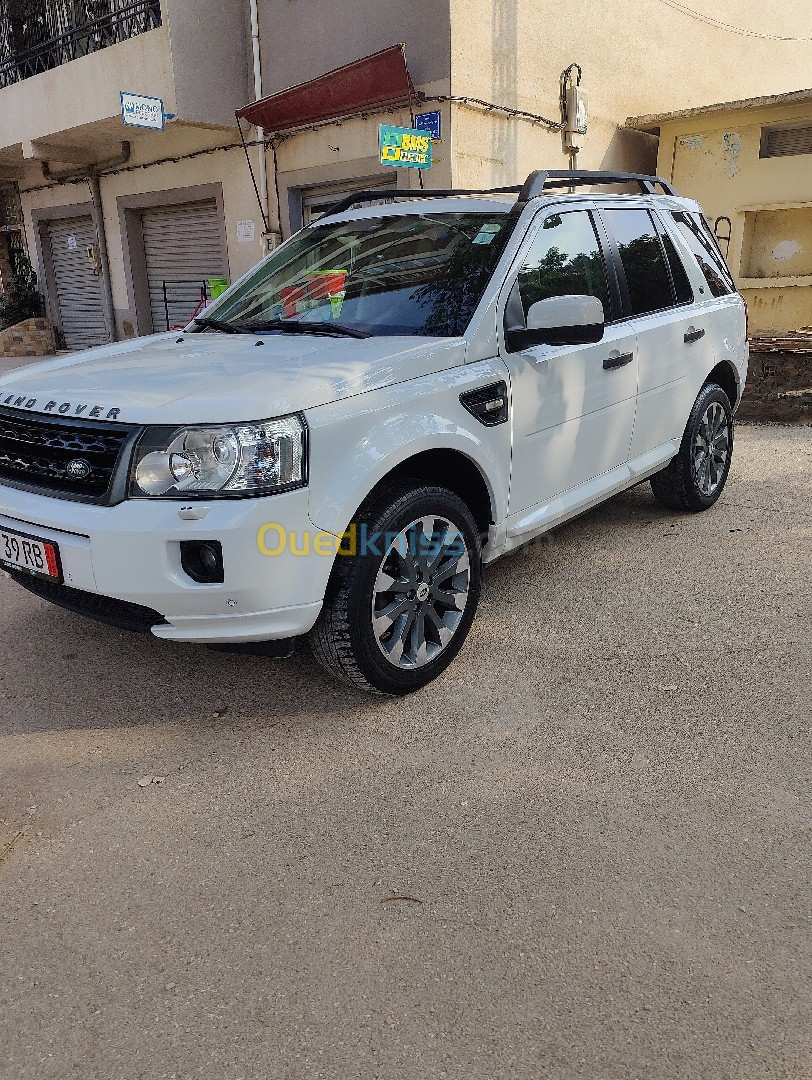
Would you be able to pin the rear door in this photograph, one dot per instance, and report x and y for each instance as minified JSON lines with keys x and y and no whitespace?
{"x":674,"y":340}
{"x":572,"y":405}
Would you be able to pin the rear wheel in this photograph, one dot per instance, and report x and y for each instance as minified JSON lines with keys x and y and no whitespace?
{"x":399,"y":609}
{"x":695,"y":478}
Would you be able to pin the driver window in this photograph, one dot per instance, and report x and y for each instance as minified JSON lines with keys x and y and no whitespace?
{"x":564,"y":260}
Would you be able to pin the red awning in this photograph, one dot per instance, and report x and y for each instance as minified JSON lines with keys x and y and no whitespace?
{"x":376,"y":82}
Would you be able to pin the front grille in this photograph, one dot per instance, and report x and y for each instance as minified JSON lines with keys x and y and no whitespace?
{"x":36,"y":452}
{"x":103,"y":609}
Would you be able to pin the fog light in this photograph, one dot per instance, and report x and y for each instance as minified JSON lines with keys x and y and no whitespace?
{"x":202,"y":560}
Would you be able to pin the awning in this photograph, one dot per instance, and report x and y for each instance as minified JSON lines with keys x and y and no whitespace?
{"x":374,"y":83}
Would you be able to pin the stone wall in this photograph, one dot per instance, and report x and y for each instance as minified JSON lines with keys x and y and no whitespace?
{"x":31,"y":337}
{"x":779,"y":384}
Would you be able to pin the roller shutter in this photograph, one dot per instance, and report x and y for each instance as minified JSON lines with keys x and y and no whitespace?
{"x":183,"y":247}
{"x":78,"y":289}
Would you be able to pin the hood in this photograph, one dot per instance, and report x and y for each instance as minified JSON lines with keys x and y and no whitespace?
{"x":220,"y":378}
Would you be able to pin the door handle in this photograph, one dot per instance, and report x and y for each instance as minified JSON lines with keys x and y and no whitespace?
{"x":616,"y":360}
{"x":693,"y":335}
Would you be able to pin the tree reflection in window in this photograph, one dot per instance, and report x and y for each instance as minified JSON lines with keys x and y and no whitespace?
{"x":641,"y":253}
{"x":565,"y":260}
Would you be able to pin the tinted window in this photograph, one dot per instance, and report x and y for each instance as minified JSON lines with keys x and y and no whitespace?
{"x":679,"y":275}
{"x":706,"y":253}
{"x":565,"y":260}
{"x":641,"y":253}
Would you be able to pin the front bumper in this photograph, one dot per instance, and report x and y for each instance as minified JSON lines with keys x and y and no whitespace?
{"x":131,"y":552}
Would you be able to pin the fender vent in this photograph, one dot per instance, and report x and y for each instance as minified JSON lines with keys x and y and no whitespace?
{"x":489,"y":404}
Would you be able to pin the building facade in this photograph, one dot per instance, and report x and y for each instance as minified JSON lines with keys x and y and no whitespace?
{"x":749,"y":163}
{"x":126,"y":226}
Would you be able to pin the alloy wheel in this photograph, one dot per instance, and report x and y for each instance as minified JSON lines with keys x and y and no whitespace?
{"x":420,"y":592}
{"x":711,"y":449}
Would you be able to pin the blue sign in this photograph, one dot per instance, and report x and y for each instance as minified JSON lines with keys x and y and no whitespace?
{"x":404,"y":146}
{"x":430,"y":122}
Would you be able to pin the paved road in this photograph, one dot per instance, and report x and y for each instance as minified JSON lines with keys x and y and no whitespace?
{"x":601,"y":809}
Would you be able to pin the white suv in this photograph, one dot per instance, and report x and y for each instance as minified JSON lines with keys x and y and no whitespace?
{"x":395,"y":396}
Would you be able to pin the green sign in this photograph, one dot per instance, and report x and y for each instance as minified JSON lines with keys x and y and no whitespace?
{"x":406,"y":147}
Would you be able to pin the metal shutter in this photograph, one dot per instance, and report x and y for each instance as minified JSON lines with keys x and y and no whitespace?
{"x":786,"y":141}
{"x":78,"y":290}
{"x":183,"y":247}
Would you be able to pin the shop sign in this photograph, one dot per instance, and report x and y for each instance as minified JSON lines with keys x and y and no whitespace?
{"x":430,"y":122}
{"x":140,"y":111}
{"x":405,"y":147}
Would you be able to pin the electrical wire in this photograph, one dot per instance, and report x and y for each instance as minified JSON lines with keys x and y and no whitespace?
{"x":729,"y":27}
{"x":490,"y":106}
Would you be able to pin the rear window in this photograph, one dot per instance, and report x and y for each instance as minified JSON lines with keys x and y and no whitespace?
{"x":700,"y":240}
{"x":647,"y":276}
{"x":682,"y":286}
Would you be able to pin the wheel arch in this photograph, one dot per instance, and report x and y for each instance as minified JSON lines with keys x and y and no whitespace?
{"x":726,"y":376}
{"x":451,"y":469}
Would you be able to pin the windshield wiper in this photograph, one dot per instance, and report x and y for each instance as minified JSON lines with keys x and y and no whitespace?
{"x":224,"y":327}
{"x":288,"y":326}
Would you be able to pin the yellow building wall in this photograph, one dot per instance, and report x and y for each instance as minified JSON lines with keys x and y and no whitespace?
{"x":638,"y":56}
{"x":714,"y":158}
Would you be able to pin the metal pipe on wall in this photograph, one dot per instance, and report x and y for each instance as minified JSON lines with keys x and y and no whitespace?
{"x":262,"y":176}
{"x":104,"y":260}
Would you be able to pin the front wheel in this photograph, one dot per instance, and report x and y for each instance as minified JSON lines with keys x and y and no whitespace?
{"x":696,"y":476}
{"x":399,"y":608}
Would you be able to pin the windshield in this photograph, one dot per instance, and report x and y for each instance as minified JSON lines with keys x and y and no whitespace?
{"x":406,"y":274}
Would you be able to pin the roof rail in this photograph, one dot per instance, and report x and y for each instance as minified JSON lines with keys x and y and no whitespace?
{"x":538,"y":182}
{"x":384,"y":192}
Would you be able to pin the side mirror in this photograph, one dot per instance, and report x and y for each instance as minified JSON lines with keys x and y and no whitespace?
{"x":559,"y":320}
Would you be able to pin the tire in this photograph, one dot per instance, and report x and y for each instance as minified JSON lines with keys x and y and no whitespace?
{"x":695,"y":478}
{"x":425,"y":594}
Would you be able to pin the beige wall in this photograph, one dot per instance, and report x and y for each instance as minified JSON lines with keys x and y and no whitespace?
{"x":714,"y":158}
{"x":85,"y":91}
{"x":226,"y":168}
{"x":638,"y":56}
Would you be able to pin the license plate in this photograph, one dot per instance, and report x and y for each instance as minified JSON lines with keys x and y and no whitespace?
{"x":39,"y":558}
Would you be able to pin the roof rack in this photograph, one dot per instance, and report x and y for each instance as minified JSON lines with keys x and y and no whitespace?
{"x":411,"y":193}
{"x":536,"y":182}
{"x":535,"y":185}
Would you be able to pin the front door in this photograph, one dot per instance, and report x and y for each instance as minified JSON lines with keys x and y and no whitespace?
{"x":573,"y":405}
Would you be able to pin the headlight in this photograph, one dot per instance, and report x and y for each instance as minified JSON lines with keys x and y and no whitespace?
{"x":230,"y":460}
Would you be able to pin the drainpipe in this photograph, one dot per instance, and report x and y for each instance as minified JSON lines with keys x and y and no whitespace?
{"x":92,"y":174}
{"x":262,"y":179}
{"x":104,"y":261}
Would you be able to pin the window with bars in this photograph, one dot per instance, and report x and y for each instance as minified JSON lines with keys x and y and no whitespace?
{"x":37,"y":35}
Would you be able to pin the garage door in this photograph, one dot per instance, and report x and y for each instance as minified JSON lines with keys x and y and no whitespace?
{"x":183,"y":247}
{"x":78,"y":289}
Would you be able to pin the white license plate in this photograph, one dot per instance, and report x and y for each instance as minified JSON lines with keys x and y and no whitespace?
{"x":40,"y":558}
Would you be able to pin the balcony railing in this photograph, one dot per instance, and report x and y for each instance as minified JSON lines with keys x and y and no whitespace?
{"x":28,"y":46}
